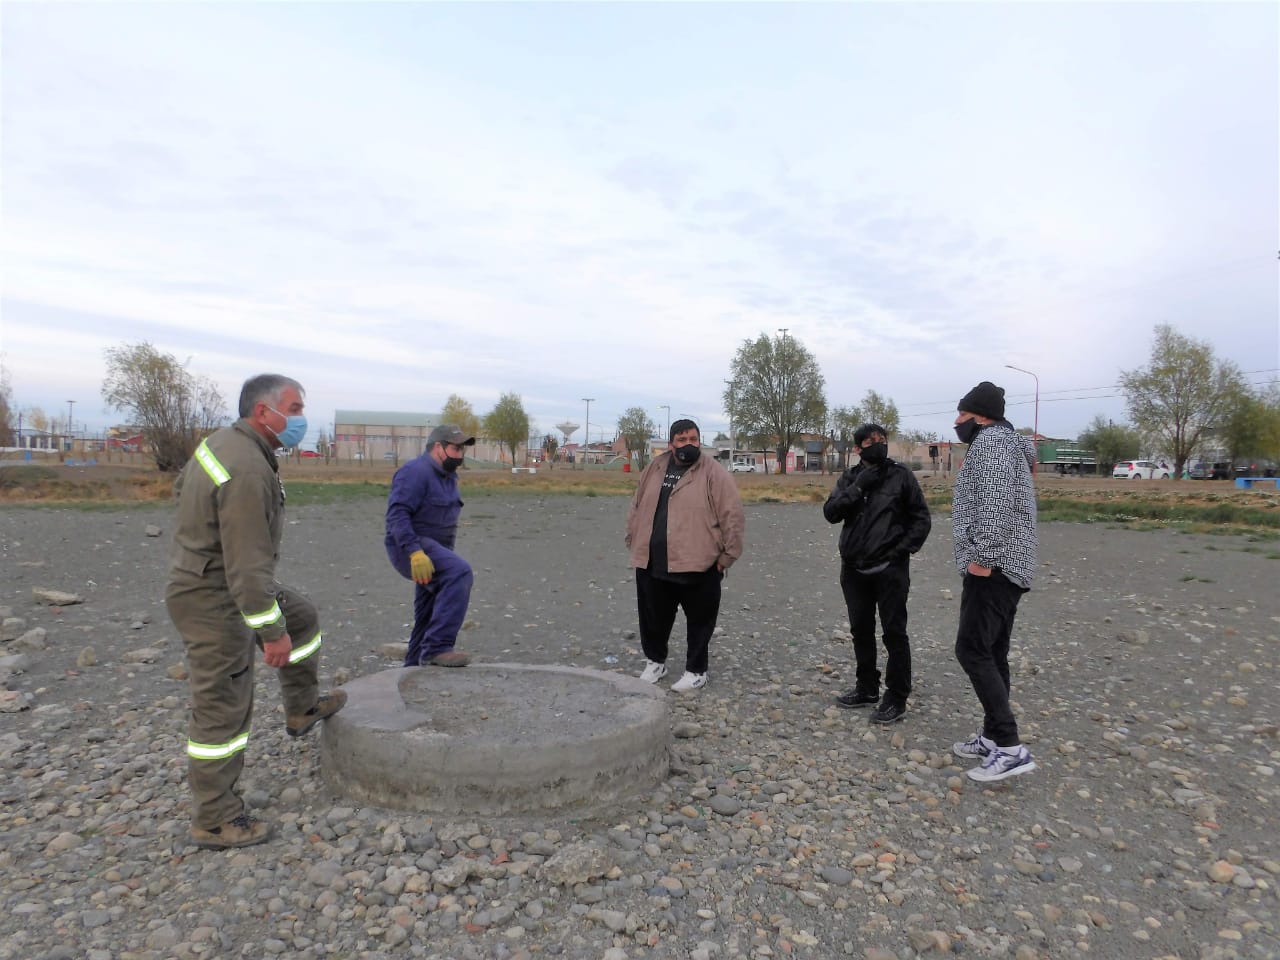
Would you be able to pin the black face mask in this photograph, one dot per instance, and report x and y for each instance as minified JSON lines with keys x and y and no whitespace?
{"x":688,"y":454}
{"x":966,"y":430}
{"x":876,"y":453}
{"x":451,"y":464}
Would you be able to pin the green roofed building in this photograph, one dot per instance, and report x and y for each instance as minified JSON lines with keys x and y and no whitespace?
{"x":381,"y":434}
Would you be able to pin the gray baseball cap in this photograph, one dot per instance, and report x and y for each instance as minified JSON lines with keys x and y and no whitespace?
{"x":450,"y":433}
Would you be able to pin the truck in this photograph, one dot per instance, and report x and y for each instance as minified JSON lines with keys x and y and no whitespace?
{"x":1066,"y":457}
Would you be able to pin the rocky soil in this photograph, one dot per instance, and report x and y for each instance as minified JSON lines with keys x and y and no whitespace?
{"x":1144,"y":675}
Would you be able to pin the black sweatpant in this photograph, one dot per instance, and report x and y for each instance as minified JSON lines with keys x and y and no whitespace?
{"x":886,"y":591}
{"x":658,"y":600}
{"x":987,"y":608}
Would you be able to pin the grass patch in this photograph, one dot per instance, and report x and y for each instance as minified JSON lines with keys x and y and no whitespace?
{"x":309,"y":493}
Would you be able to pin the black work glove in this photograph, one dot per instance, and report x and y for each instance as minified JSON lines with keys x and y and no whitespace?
{"x":867,"y":478}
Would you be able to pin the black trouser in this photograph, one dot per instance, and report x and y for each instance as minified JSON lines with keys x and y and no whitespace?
{"x":658,"y":600}
{"x":886,"y":591}
{"x":987,"y":608}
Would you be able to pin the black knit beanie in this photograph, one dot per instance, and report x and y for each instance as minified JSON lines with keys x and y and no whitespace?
{"x":986,"y":400}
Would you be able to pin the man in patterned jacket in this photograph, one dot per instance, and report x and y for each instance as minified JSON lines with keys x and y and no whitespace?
{"x":993,"y":520}
{"x":224,"y":598}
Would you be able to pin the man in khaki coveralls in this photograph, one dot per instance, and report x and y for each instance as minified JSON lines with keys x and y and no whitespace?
{"x":223,"y":598}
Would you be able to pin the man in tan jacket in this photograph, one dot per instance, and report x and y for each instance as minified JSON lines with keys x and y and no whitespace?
{"x":684,"y":530}
{"x":224,"y":598}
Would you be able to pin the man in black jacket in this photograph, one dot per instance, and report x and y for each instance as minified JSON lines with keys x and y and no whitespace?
{"x":886,"y":520}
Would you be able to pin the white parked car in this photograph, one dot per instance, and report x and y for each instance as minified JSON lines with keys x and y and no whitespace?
{"x":1142,"y":470}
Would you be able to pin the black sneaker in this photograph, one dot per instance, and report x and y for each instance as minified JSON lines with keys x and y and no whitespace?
{"x":856,"y":697}
{"x":890,"y":711}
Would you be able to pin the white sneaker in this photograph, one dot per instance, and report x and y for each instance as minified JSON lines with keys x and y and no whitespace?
{"x":976,"y":747}
{"x":653,"y":672}
{"x":690,"y":681}
{"x":1001,"y":764}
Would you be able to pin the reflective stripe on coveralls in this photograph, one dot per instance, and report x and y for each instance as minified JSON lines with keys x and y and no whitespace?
{"x":216,"y":471}
{"x":306,"y":650}
{"x":220,"y":475}
{"x":267,"y":617}
{"x":217,"y":751}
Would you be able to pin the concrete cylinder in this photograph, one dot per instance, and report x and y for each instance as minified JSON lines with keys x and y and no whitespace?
{"x":496,"y":739}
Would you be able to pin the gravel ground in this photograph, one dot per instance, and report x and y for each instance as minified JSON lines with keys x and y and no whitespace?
{"x":1144,"y":677}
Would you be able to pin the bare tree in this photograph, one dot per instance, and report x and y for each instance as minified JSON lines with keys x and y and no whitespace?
{"x":912,"y":440}
{"x":7,"y":413}
{"x":174,"y":408}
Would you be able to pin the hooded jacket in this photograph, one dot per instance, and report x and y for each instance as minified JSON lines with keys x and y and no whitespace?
{"x":886,"y":522}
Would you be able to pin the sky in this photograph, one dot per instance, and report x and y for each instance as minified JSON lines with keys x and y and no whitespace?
{"x":395,"y":202}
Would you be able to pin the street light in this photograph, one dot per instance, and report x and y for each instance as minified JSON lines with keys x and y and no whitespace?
{"x":1035,"y":426}
{"x":587,"y":432}
{"x":667,"y":407}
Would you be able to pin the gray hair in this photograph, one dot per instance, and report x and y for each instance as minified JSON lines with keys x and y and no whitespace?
{"x":265,"y":388}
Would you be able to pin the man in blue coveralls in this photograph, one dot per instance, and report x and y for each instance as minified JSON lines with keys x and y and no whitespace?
{"x":422,"y":520}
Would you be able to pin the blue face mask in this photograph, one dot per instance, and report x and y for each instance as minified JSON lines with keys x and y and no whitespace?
{"x":295,"y":428}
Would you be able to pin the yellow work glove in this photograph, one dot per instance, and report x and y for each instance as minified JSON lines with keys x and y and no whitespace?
{"x":421,"y":567}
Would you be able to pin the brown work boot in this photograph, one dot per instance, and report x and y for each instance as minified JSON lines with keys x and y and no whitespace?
{"x":297,"y":724}
{"x":243,"y":831}
{"x":449,"y":658}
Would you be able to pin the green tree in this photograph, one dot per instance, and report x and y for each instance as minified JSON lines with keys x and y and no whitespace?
{"x":507,"y":423}
{"x":8,"y":416}
{"x":459,"y":411}
{"x":776,"y":393}
{"x":1110,"y":442}
{"x":1271,"y":431}
{"x":1243,"y":427}
{"x":549,"y":447}
{"x":1183,"y":391}
{"x":841,"y":426}
{"x":877,"y":409}
{"x":635,"y":427}
{"x":174,"y":408}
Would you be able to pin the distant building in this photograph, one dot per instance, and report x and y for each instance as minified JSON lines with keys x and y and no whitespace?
{"x":398,"y":436}
{"x":381,"y":434}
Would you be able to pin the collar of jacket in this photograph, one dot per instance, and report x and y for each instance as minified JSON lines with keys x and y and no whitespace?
{"x":243,"y":426}
{"x":670,"y":455}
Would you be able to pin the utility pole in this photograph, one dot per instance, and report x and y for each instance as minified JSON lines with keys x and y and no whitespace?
{"x":1035,"y":428}
{"x":70,"y":406}
{"x":587,"y":432}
